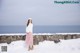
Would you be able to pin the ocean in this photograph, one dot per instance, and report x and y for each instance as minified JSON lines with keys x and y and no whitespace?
{"x":41,"y":29}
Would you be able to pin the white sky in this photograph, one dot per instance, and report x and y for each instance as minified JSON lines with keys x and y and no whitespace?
{"x":43,"y":12}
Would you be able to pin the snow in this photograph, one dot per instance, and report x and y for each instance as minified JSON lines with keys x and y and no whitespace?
{"x":12,"y":34}
{"x":65,"y":46}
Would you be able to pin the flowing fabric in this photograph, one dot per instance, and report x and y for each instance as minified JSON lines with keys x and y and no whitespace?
{"x":29,"y":39}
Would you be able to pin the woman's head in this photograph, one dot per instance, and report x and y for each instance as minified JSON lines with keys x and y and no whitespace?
{"x":29,"y":21}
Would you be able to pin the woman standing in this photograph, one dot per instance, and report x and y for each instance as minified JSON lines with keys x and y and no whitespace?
{"x":29,"y":36}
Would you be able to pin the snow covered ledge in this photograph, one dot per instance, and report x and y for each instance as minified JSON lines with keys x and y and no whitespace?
{"x":38,"y":37}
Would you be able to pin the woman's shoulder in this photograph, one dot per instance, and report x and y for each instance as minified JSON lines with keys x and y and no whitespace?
{"x":30,"y":24}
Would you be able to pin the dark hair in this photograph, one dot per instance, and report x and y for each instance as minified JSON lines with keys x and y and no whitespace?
{"x":29,"y":21}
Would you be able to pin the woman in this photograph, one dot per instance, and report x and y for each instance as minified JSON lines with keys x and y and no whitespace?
{"x":29,"y":36}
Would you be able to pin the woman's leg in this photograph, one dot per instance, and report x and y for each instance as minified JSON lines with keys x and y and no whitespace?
{"x":32,"y":47}
{"x":29,"y":48}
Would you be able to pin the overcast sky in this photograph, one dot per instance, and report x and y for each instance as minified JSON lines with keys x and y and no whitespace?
{"x":42,"y":12}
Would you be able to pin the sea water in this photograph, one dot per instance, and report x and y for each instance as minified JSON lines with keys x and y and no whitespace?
{"x":42,"y":29}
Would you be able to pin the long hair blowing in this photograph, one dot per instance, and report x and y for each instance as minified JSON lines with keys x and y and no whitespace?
{"x":28,"y":22}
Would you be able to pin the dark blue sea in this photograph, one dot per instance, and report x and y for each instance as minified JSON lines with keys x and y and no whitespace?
{"x":42,"y":29}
